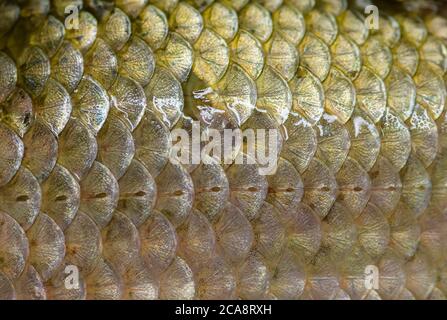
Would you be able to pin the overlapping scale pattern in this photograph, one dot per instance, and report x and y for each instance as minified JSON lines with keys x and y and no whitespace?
{"x":86,"y":179}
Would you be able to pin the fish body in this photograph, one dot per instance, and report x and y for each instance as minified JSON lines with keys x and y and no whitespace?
{"x":93,"y":204}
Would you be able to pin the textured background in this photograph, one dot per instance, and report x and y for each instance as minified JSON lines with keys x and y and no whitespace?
{"x":86,"y":183}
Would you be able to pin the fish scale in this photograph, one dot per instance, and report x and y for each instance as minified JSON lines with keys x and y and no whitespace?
{"x":87,"y":184}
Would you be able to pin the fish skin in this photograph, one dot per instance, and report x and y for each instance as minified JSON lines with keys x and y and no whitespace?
{"x":86,"y":183}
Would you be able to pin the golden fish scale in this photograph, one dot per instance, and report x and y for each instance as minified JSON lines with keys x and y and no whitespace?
{"x":85,"y":180}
